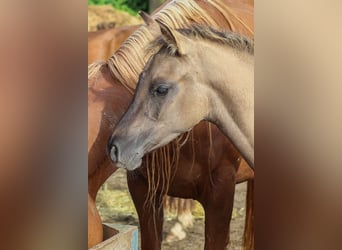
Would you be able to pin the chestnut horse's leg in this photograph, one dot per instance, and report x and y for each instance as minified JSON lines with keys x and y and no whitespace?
{"x":218,"y":206}
{"x":151,"y":216}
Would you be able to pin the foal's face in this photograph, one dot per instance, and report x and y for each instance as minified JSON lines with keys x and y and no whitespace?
{"x":169,"y":100}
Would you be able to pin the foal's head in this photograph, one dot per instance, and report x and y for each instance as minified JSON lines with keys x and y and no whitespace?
{"x":166,"y":94}
{"x":169,"y":89}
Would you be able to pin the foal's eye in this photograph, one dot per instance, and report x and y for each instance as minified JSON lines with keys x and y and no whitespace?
{"x":162,"y":90}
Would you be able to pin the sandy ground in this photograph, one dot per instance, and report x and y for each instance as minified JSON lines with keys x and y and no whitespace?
{"x":115,"y":206}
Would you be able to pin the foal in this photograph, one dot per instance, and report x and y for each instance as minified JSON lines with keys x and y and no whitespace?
{"x":197,"y":73}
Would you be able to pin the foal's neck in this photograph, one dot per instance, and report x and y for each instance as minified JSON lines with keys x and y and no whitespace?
{"x":230,"y":80}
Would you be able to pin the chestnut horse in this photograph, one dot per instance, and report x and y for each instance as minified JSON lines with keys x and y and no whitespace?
{"x":101,"y":45}
{"x":109,"y":95}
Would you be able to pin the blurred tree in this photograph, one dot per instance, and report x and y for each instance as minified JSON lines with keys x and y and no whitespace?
{"x":130,"y":6}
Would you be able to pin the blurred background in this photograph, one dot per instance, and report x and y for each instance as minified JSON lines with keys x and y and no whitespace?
{"x":43,"y":107}
{"x":103,"y":14}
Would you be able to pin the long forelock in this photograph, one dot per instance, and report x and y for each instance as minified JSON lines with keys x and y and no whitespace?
{"x":128,"y":61}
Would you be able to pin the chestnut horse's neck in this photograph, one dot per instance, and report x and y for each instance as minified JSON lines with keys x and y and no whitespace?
{"x":107,"y":101}
{"x":229,"y":78}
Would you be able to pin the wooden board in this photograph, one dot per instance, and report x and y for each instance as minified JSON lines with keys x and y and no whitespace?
{"x":118,"y":237}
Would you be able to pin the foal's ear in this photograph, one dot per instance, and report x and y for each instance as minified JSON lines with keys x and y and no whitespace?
{"x":152,"y":25}
{"x":175,"y":39}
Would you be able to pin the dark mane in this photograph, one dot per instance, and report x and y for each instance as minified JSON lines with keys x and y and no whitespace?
{"x":234,"y":40}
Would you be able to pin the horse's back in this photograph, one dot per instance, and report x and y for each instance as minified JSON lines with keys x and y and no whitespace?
{"x":102,"y":44}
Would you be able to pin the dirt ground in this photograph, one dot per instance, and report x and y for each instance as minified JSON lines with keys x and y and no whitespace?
{"x":115,"y":206}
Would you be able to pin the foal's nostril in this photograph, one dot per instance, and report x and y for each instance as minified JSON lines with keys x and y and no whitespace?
{"x":109,"y":145}
{"x":114,"y":153}
{"x":112,"y":150}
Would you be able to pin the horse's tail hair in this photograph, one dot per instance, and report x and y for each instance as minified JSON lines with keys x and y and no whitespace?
{"x":179,"y":206}
{"x":249,"y":222}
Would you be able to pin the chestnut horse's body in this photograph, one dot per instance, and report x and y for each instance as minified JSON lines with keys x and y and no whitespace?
{"x":208,"y":176}
{"x":108,"y":98}
{"x":102,"y":44}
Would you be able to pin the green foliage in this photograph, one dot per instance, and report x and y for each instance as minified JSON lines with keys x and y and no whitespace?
{"x":130,"y":6}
